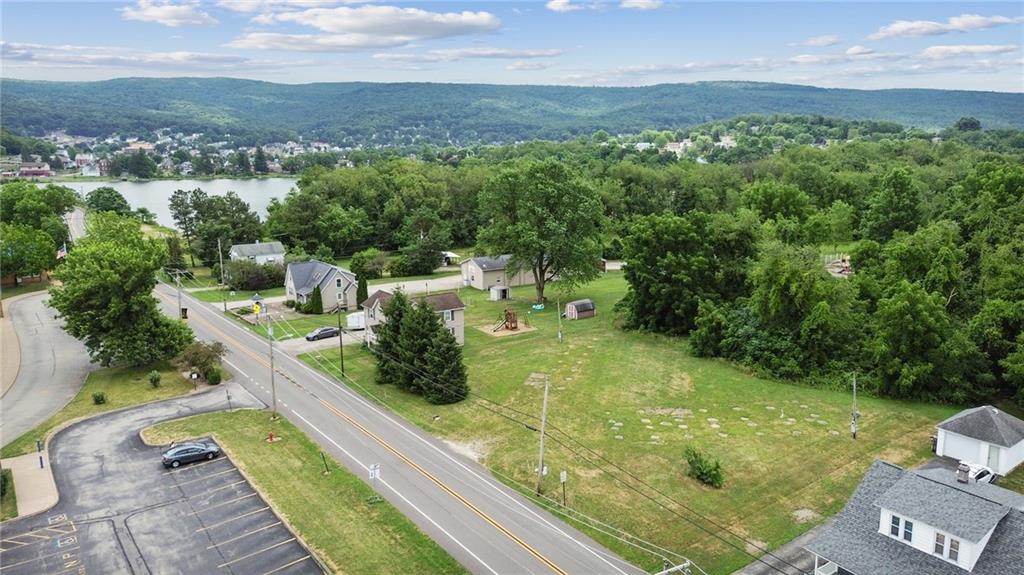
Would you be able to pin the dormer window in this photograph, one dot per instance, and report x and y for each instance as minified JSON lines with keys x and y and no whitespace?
{"x":947,"y":547}
{"x":907,"y":528}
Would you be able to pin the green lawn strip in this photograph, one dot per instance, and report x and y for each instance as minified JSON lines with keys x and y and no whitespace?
{"x":9,"y":499}
{"x":23,"y":289}
{"x":218,"y":295}
{"x":1014,"y":481}
{"x":200,"y":278}
{"x":124,"y":387}
{"x":330,"y":512}
{"x":293,"y":327}
{"x":389,"y":279}
{"x":785,"y":448}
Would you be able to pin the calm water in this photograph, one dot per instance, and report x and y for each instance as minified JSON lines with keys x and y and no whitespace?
{"x":154,"y":195}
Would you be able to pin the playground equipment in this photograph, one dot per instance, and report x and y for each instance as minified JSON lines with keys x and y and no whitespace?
{"x":508,"y":321}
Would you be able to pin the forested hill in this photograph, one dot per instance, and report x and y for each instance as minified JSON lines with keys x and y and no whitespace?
{"x":406,"y":113}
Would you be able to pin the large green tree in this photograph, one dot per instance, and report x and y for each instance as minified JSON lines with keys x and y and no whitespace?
{"x":447,"y":382}
{"x":386,"y":348}
{"x":548,"y":218}
{"x":106,"y":300}
{"x":40,"y":208}
{"x":107,"y":199}
{"x":25,"y":251}
{"x":894,"y":207}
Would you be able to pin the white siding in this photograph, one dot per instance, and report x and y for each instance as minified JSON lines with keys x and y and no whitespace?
{"x":975,"y":451}
{"x":923,"y":539}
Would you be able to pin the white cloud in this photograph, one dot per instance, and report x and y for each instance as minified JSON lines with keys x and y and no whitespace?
{"x":317,"y":42}
{"x":168,"y":14}
{"x":456,"y":54}
{"x":859,"y":51}
{"x":69,"y":56}
{"x":941,"y":52}
{"x":641,"y":4}
{"x":392,"y":21}
{"x":562,"y":6}
{"x":961,"y":23}
{"x":827,"y":40}
{"x":630,"y":75}
{"x":275,"y":5}
{"x":523,"y":66}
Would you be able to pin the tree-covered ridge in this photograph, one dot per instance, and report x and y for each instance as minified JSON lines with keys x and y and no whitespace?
{"x":407,"y":113}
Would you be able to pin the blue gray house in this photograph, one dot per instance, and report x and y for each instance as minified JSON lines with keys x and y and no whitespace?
{"x":337,"y":285}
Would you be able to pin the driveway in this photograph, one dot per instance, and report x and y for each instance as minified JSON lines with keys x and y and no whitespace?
{"x":53,"y":367}
{"x":120,"y":511}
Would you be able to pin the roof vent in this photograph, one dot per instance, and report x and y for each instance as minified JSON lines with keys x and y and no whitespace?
{"x":962,"y":473}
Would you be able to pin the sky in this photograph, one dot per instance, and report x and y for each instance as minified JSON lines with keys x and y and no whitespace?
{"x":867,"y":45}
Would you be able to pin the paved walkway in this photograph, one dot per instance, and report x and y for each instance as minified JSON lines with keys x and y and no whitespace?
{"x":10,"y":351}
{"x":793,"y":553}
{"x":33,"y":484}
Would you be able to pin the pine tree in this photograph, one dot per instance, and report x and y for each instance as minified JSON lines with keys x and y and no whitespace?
{"x":388,"y":334}
{"x":259,"y":162}
{"x":361,"y":294}
{"x":419,"y":327}
{"x":447,"y":383}
{"x":316,"y":301}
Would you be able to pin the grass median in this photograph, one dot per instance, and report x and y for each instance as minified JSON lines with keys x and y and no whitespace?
{"x":331,"y":512}
{"x":8,"y":499}
{"x":123,"y":386}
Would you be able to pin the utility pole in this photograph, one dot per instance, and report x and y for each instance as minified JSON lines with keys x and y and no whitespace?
{"x":341,"y":343}
{"x":177,"y":282}
{"x":854,"y":414}
{"x":558,"y":311}
{"x":273,"y":386}
{"x":224,"y":297}
{"x":543,"y":427}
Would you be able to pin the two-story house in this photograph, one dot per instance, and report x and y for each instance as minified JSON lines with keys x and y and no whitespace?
{"x":483,"y":273}
{"x":447,"y":305}
{"x":923,"y":522}
{"x":337,"y":285}
{"x":259,"y":252}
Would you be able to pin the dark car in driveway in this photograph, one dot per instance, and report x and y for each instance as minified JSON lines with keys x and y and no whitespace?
{"x":189,"y":452}
{"x":323,"y":333}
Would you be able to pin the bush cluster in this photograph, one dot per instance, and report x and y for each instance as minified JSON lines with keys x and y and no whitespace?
{"x":704,"y":468}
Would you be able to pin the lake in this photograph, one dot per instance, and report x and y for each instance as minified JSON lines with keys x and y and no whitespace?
{"x":155,"y":194}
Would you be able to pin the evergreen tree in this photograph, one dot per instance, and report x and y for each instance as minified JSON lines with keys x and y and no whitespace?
{"x":175,"y":255}
{"x":259,"y":162}
{"x":316,"y":301}
{"x":388,"y":333}
{"x":361,"y":291}
{"x":894,"y":207}
{"x":447,"y":382}
{"x":419,"y":328}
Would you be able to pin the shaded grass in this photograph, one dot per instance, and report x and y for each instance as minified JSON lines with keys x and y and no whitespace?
{"x":23,"y":289}
{"x":784,"y":447}
{"x":9,"y":499}
{"x":330,"y":512}
{"x":1014,"y":481}
{"x":217,"y":295}
{"x":124,"y":387}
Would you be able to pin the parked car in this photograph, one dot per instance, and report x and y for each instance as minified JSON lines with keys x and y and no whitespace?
{"x":980,"y":473}
{"x":189,"y":452}
{"x":322,"y":333}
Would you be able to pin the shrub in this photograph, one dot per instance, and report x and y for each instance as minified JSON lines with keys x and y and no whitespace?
{"x":154,"y":378}
{"x":316,"y":301}
{"x":214,"y":376}
{"x":614,"y":250}
{"x":202,"y":356}
{"x":399,"y":267}
{"x":289,"y":303}
{"x":99,"y":397}
{"x":368,"y":263}
{"x":5,"y":479}
{"x":704,"y":468}
{"x":247,"y":275}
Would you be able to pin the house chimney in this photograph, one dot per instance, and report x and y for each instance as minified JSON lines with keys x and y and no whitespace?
{"x":961,"y":472}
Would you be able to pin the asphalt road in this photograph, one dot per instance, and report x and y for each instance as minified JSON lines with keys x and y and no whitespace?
{"x":53,"y":367}
{"x":483,"y":524}
{"x":120,"y":511}
{"x":76,"y":223}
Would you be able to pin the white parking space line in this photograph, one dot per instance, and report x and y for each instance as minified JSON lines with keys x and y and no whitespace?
{"x":194,"y":466}
{"x":286,"y":565}
{"x":223,"y":503}
{"x":226,"y":521}
{"x":205,"y":477}
{"x":255,"y":553}
{"x":233,"y":539}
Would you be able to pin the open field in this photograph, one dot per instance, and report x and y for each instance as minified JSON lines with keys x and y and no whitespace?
{"x":124,"y":387}
{"x":638,"y":400}
{"x":350,"y":534}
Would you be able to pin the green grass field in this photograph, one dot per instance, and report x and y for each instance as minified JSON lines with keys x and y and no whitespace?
{"x":23,"y":289}
{"x":639,"y":399}
{"x":294,"y":327}
{"x":350,"y":534}
{"x":124,"y":387}
{"x":217,"y":295}
{"x":9,"y":499}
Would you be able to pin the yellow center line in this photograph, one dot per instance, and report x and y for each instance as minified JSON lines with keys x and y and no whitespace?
{"x":259,"y":358}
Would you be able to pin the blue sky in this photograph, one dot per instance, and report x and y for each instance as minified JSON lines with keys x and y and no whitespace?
{"x":953,"y":45}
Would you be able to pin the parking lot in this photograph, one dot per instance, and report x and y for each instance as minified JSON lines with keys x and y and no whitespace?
{"x":122,"y":512}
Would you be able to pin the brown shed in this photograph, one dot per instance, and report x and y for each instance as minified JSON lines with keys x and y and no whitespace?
{"x":580,"y":309}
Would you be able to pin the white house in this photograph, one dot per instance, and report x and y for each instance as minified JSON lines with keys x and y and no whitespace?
{"x":337,"y":285}
{"x":446,"y":304}
{"x":483,"y":273}
{"x":984,"y":436}
{"x":259,"y":252}
{"x":926,"y":522}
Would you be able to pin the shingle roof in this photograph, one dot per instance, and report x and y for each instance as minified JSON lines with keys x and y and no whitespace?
{"x":308,"y":275}
{"x":257,"y":249}
{"x":492,"y":264}
{"x":439,"y":301}
{"x":959,"y":513}
{"x":853,"y":540}
{"x":582,"y":305}
{"x":987,"y":424}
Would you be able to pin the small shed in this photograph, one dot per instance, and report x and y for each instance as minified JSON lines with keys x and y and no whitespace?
{"x":983,"y":436}
{"x":499,"y":293}
{"x":580,"y":309}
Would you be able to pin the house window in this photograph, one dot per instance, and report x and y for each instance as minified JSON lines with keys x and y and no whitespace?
{"x":448,"y":315}
{"x":337,"y":282}
{"x":451,"y":330}
{"x":372,"y":314}
{"x":340,"y":295}
{"x":940,"y":544}
{"x":894,"y":527}
{"x":908,"y":530}
{"x":954,"y":549}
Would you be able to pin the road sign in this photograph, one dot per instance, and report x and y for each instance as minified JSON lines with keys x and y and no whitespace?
{"x":374,"y":471}
{"x":563,"y":476}
{"x":256,"y":308}
{"x":270,"y":330}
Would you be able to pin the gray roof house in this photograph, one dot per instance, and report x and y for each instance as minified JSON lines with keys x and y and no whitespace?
{"x":983,"y":436}
{"x":483,"y":273}
{"x":337,"y":285}
{"x":446,"y":304}
{"x":259,"y":252}
{"x":904,"y":522}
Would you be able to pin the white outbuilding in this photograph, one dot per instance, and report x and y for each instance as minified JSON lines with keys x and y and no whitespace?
{"x":983,"y":436}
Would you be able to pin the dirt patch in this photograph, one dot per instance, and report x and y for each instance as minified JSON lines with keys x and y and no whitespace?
{"x":588,"y":473}
{"x":682,"y":381}
{"x":667,"y":411}
{"x":895,"y":454}
{"x":756,"y":547}
{"x":805,"y":515}
{"x":536,"y":379}
{"x":475,"y":450}
{"x":489,"y":330}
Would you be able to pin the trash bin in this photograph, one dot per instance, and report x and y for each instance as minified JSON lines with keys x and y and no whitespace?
{"x":184,"y":313}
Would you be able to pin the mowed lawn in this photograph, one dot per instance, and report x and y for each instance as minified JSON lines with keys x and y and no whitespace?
{"x":639,"y":399}
{"x":331,"y":512}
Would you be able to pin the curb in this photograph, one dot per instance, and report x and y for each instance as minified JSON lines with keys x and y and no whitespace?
{"x":14,"y":333}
